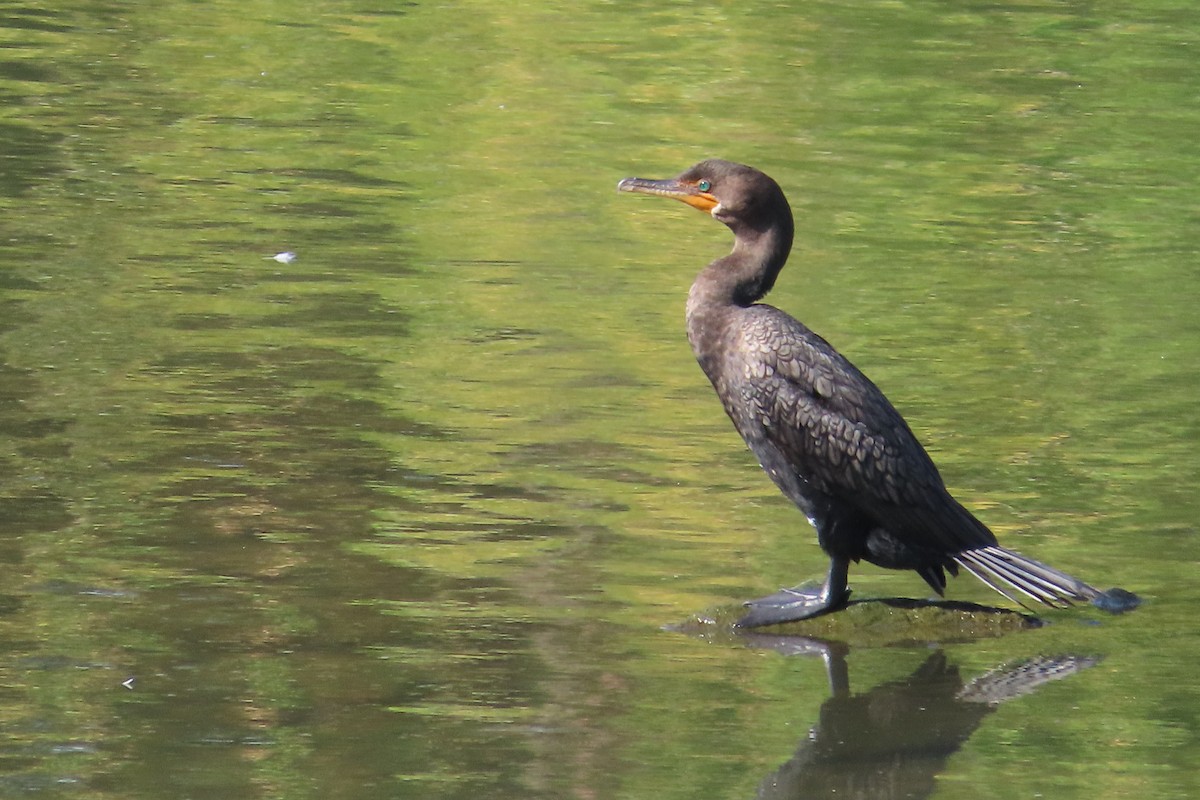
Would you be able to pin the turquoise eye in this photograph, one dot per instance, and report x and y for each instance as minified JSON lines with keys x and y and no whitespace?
{"x":704,"y":186}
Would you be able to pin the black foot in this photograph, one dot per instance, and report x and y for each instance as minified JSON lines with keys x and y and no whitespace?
{"x":789,"y":605}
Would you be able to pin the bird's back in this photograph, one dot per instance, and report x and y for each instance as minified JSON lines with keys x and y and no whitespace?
{"x":827,"y":435}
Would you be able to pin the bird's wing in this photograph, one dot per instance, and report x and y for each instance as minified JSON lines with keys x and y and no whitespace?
{"x":840,"y":432}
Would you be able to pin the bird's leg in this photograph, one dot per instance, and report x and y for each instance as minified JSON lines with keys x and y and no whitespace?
{"x":802,"y":602}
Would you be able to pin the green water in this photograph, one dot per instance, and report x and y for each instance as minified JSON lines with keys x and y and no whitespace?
{"x":405,"y":517}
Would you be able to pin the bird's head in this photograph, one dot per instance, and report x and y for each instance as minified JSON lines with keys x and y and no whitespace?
{"x":737,"y":195}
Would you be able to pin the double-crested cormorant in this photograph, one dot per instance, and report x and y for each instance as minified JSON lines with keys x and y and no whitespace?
{"x":820,"y":428}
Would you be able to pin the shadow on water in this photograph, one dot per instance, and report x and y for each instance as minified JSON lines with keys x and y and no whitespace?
{"x":893,"y":740}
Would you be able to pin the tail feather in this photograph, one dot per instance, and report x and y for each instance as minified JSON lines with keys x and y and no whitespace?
{"x":1030,"y":583}
{"x":1005,"y":571}
{"x":991,"y":582}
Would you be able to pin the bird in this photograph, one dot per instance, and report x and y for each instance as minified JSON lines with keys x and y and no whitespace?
{"x":825,"y":434}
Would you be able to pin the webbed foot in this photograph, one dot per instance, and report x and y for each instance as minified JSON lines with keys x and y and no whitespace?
{"x":789,"y":605}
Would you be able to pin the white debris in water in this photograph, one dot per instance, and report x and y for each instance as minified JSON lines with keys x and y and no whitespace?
{"x":286,"y":257}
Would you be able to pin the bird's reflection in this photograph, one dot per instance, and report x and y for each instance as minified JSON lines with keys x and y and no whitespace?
{"x":892,"y":741}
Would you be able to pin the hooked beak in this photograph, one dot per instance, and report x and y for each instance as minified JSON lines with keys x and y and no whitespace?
{"x":671,"y":187}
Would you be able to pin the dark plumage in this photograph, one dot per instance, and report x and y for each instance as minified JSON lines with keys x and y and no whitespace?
{"x":820,"y":428}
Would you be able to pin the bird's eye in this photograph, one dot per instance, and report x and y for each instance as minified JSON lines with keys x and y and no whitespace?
{"x":704,"y":186}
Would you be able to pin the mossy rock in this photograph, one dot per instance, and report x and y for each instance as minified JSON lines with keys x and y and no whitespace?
{"x":872,"y":623}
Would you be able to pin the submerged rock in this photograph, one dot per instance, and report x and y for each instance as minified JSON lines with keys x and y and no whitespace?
{"x":874,"y":623}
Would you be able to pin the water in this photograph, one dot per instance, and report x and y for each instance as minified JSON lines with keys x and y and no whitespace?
{"x":404,"y":517}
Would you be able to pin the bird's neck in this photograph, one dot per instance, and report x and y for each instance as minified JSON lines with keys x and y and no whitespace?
{"x":745,"y":275}
{"x":736,"y":281}
{"x":748,"y":273}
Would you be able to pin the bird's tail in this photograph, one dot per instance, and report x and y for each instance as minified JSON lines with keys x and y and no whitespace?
{"x":1006,"y":571}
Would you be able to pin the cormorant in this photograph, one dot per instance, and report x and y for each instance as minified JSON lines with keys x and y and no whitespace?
{"x":827,"y":436}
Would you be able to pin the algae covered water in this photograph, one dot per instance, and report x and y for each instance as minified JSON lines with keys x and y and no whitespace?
{"x":407,"y":515}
